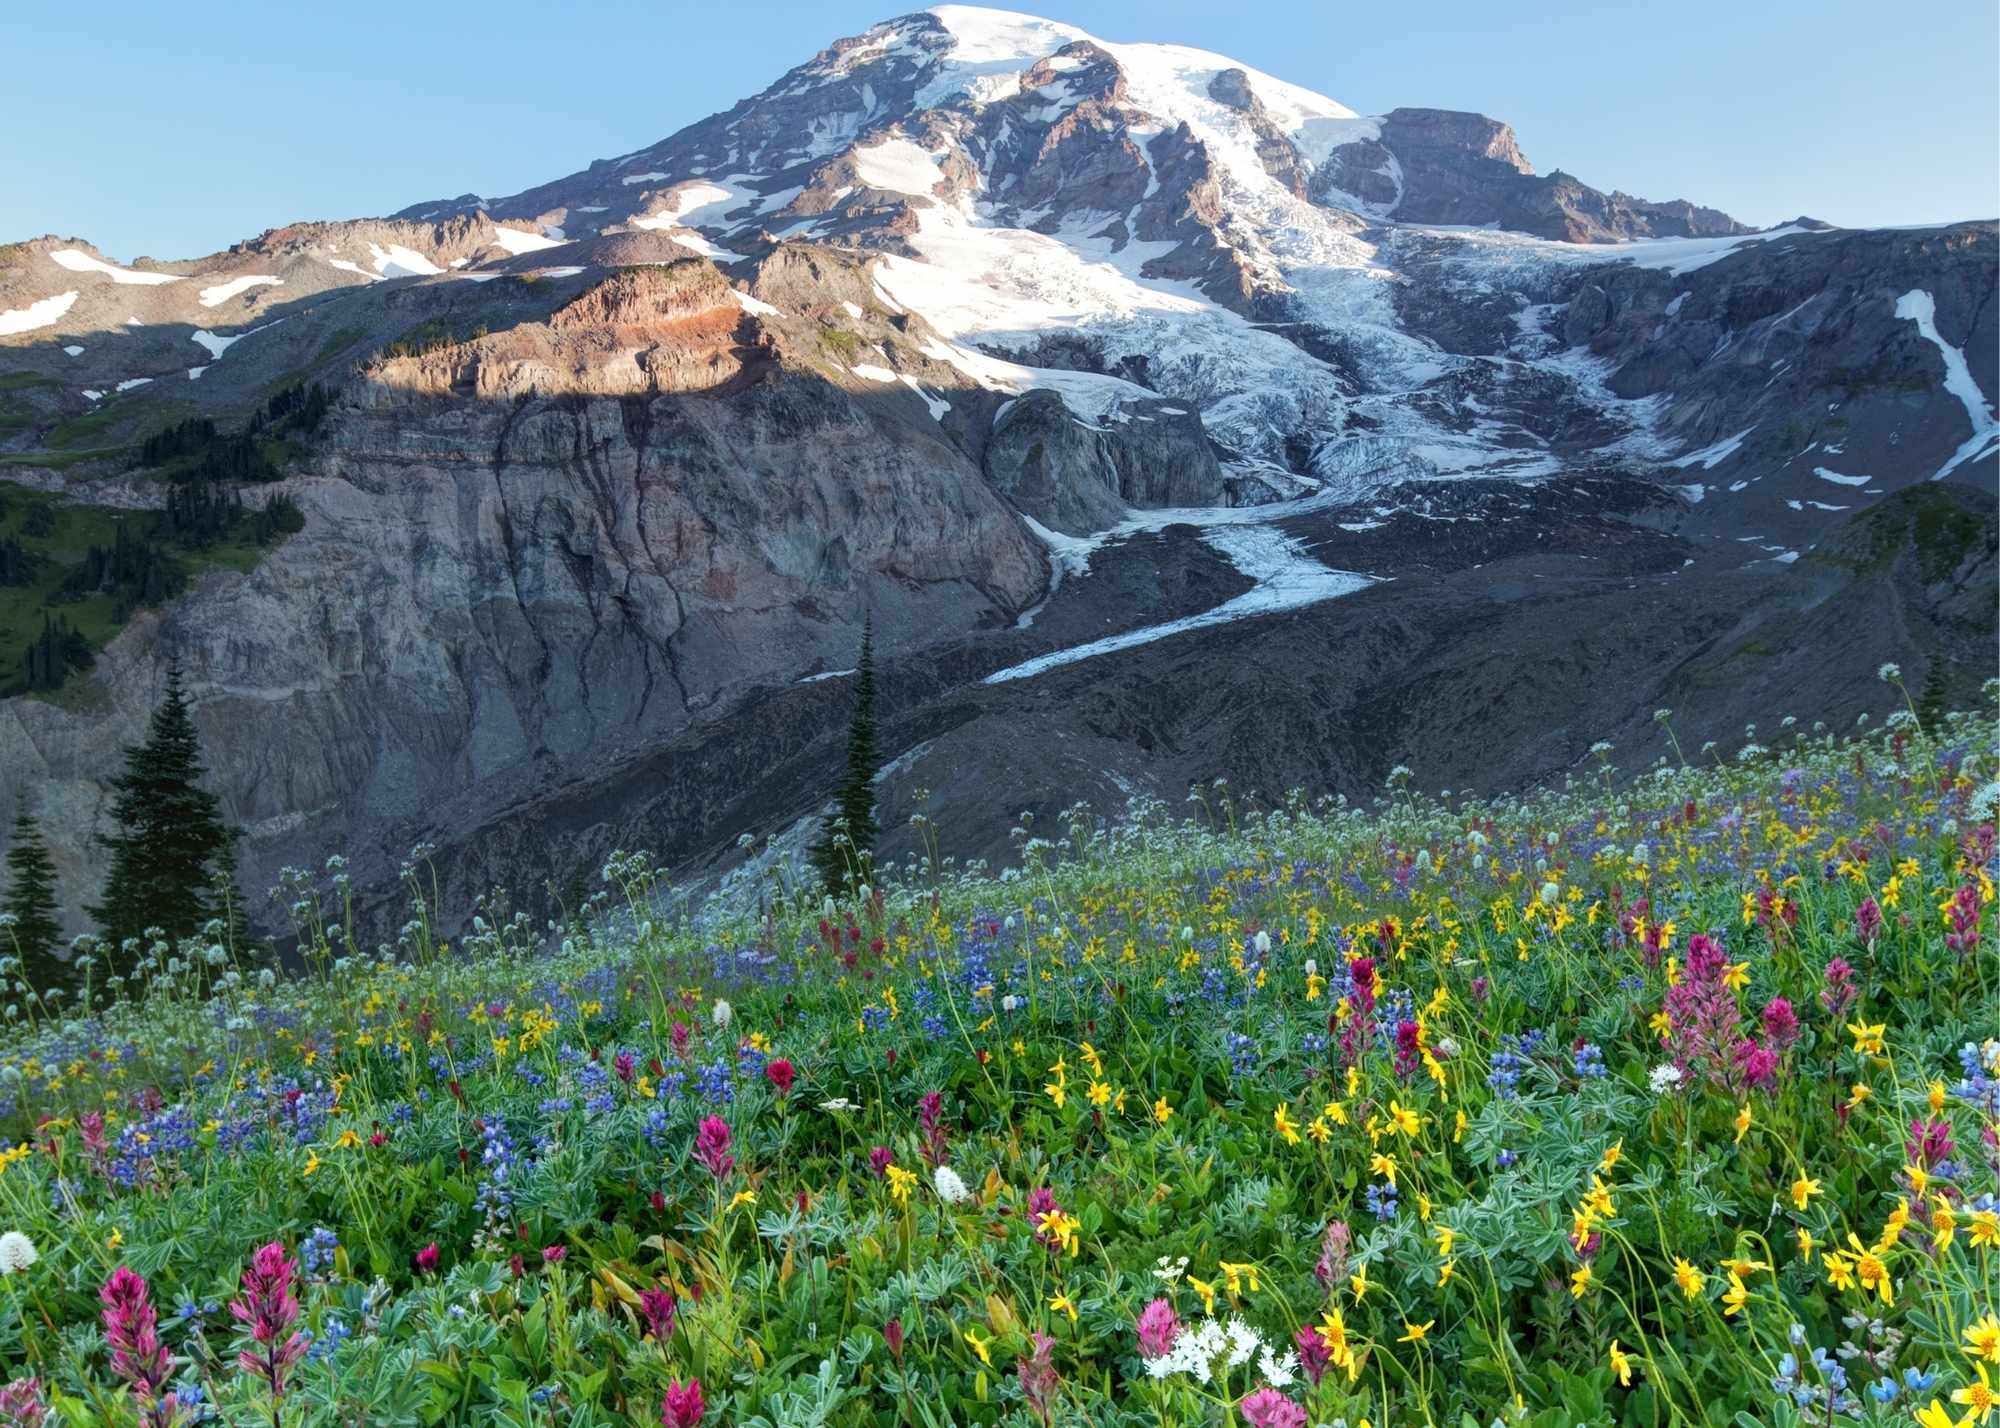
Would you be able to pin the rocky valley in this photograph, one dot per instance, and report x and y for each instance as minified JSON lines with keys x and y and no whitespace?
{"x":1171,"y":423}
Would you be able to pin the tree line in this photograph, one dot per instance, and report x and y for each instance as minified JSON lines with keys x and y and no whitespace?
{"x":172,"y":860}
{"x":173,"y":855}
{"x":206,"y":469}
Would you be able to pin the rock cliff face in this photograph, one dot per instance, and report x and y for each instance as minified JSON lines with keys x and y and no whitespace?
{"x":1137,"y":395}
{"x":531,"y":551}
{"x":1445,"y":166}
{"x":1078,"y":477}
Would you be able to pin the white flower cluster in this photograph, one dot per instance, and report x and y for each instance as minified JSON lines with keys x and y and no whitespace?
{"x":722,"y":1015}
{"x":1665,"y":1078}
{"x":951,"y":1189}
{"x":1197,"y":1347}
{"x":17,"y":1252}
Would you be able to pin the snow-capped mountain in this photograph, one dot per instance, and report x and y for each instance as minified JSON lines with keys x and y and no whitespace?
{"x":1170,"y":419}
{"x":1122,"y":221}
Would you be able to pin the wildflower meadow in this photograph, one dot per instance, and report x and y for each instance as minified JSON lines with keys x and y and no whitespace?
{"x":1658,"y":1099}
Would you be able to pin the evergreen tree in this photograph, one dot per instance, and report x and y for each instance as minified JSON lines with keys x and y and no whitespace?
{"x":31,"y":898}
{"x":171,"y":841}
{"x":845,"y":851}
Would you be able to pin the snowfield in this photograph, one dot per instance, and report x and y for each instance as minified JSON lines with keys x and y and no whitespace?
{"x":80,"y":262}
{"x":223,"y":292}
{"x":1919,"y":307}
{"x":1288,"y":578}
{"x":36,"y":315}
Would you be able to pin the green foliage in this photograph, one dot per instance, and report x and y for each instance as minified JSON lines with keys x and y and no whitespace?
{"x":31,"y":902}
{"x":433,"y":335}
{"x":844,"y":854}
{"x":1174,"y":1056}
{"x":171,"y":843}
{"x":838,"y":340}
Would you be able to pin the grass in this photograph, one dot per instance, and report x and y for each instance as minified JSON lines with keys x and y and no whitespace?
{"x":78,"y":527}
{"x":1620,"y":1103}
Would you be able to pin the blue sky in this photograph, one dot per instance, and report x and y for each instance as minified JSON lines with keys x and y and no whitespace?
{"x":175,"y":130}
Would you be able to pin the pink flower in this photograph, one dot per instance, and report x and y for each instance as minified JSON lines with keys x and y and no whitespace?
{"x":427,"y":1258}
{"x":1332,"y":1266}
{"x":683,"y":1407}
{"x":892,"y":1335}
{"x":1781,"y":1024}
{"x":1158,"y":1327}
{"x":711,"y":1147}
{"x":1268,"y":1408}
{"x":1757,"y":1065}
{"x":930,"y":1121}
{"x":269,"y":1307}
{"x":657,"y":1308}
{"x":779,"y":1074}
{"x":680,"y":1035}
{"x":879,"y":1161}
{"x":1313,"y":1355}
{"x":1703,"y":1015}
{"x":555,"y":1254}
{"x":21,"y":1403}
{"x":1868,"y":921}
{"x":1839,"y":991}
{"x":131,"y":1331}
{"x":1961,"y":917}
{"x":1037,"y":1375}
{"x":1930,"y":1141}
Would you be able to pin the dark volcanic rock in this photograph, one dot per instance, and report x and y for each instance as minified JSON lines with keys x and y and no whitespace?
{"x":1078,"y":476}
{"x":1446,"y":166}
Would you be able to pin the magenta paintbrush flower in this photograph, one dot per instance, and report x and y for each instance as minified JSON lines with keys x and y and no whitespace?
{"x":711,"y":1147}
{"x":131,"y":1331}
{"x":684,"y":1405}
{"x":658,"y":1309}
{"x":269,"y":1308}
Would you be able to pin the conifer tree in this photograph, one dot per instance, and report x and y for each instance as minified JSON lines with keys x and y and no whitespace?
{"x":171,"y":841}
{"x":845,"y":853}
{"x":31,"y":898}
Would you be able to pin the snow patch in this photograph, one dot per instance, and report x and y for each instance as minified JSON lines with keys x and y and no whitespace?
{"x":755,"y":306}
{"x":1835,"y":476}
{"x":80,"y":262}
{"x":518,"y":241}
{"x":218,"y":345}
{"x":897,"y":166}
{"x":1288,"y":578}
{"x":1919,"y":307}
{"x":1715,"y":454}
{"x":45,"y":313}
{"x":223,"y":292}
{"x":399,"y":262}
{"x":707,"y":249}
